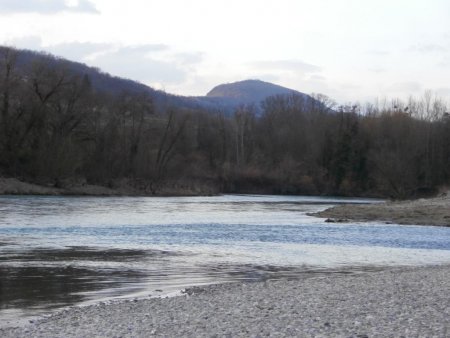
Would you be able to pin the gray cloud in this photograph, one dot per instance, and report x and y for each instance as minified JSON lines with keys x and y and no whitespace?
{"x":189,"y":58}
{"x":27,"y":42}
{"x":136,"y":63}
{"x":269,"y":77}
{"x":77,"y":50}
{"x":286,"y":65}
{"x":87,"y":7}
{"x":443,"y":91}
{"x":148,"y":63}
{"x":45,"y":6}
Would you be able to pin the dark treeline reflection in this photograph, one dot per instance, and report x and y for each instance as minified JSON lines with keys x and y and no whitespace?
{"x":55,"y":127}
{"x":53,"y":278}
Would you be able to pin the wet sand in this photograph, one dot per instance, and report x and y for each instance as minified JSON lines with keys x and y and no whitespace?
{"x":430,"y":211}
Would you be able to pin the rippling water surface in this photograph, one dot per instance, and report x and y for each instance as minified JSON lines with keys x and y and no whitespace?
{"x":59,"y":251}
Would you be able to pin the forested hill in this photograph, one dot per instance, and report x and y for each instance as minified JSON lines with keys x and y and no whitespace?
{"x":100,"y":81}
{"x":25,"y":60}
{"x":63,"y":123}
{"x":224,"y":98}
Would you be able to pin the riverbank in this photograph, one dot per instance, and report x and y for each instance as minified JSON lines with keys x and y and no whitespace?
{"x":407,"y":302}
{"x":13,"y":186}
{"x":429,"y":211}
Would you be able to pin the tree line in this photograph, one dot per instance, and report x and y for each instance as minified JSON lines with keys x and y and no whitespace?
{"x":56,"y":127}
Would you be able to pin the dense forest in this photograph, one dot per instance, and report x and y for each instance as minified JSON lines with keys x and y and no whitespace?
{"x":56,"y":127}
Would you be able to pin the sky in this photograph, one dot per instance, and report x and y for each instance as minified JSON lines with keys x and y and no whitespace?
{"x":349,"y":50}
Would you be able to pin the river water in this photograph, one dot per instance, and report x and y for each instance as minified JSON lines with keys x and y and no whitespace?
{"x":61,"y":251}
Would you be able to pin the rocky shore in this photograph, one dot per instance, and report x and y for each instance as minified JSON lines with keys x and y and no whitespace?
{"x":408,"y":302}
{"x":430,"y":211}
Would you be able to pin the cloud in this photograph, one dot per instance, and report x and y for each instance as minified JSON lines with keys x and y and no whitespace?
{"x":86,"y":6}
{"x":46,"y":6}
{"x":269,"y":78}
{"x":144,"y":49}
{"x":157,"y":65}
{"x":406,"y":87}
{"x":445,"y":62}
{"x":428,"y":48}
{"x":77,"y":50}
{"x":142,"y":63}
{"x":316,"y":77}
{"x":377,"y":70}
{"x":295,"y":66}
{"x":26,"y":42}
{"x":444,"y":91}
{"x":377,"y":52}
{"x":189,"y":58}
{"x":349,"y":86}
{"x":147,"y":63}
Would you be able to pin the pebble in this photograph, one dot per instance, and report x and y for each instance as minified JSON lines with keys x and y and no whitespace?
{"x":412,"y":302}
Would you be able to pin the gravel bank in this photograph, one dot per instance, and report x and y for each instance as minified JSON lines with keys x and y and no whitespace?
{"x":431,"y":211}
{"x":410,"y":302}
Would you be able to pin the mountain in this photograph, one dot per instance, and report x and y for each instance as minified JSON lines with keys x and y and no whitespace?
{"x":227,"y":97}
{"x":250,"y":91}
{"x":223,"y":98}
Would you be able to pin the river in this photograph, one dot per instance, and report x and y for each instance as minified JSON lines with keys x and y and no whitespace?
{"x":61,"y":251}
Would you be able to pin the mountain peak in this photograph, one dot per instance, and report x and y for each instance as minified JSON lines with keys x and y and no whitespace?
{"x":249,"y":91}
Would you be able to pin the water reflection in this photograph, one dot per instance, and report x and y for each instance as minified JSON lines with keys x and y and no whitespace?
{"x":37,"y":281}
{"x":46,"y":287}
{"x":80,"y":253}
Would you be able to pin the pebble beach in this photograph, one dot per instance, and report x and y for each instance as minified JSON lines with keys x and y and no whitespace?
{"x":396,"y":302}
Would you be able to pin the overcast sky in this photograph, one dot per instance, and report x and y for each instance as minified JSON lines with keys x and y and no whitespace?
{"x":350,"y":50}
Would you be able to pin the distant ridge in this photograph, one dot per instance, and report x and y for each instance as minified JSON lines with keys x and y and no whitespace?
{"x":223,"y":98}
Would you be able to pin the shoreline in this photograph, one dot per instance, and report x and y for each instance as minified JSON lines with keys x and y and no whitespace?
{"x":409,"y":301}
{"x":382,"y":303}
{"x":425,"y":211}
{"x":15,"y":187}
